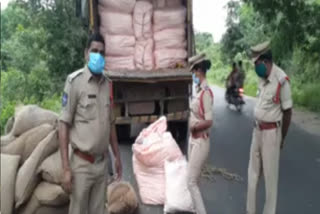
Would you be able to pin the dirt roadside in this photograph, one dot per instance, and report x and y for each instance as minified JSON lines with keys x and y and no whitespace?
{"x":308,"y":121}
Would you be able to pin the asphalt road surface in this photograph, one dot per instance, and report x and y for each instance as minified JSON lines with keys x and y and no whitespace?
{"x":299,"y":181}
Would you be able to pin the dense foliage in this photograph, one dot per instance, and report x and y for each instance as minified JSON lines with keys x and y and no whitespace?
{"x":292,"y":26}
{"x":41,"y":42}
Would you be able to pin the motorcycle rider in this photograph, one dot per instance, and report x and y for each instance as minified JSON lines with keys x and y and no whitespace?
{"x":232,"y":80}
{"x":241,"y":76}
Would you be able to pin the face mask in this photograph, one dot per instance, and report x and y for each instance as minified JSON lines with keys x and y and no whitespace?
{"x":196,"y":79}
{"x":261,"y":70}
{"x":96,"y":63}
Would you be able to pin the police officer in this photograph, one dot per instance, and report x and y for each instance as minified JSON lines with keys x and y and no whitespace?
{"x":272,"y":119}
{"x":86,"y":123}
{"x":200,"y":124}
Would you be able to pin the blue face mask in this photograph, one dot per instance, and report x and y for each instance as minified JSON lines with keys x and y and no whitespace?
{"x":96,"y":63}
{"x":261,"y":70}
{"x":196,"y":79}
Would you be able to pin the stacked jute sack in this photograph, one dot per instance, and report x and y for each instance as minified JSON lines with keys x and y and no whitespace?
{"x":27,"y":157}
{"x":143,"y":34}
{"x":31,"y":168}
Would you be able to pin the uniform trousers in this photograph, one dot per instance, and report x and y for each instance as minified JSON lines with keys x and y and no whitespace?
{"x":264,"y":159}
{"x":198,"y":153}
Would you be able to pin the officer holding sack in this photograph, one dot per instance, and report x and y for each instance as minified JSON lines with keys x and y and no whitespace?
{"x":272,"y":119}
{"x":86,"y":124}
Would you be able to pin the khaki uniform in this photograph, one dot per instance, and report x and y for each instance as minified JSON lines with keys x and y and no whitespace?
{"x":199,"y":148}
{"x":265,"y":147}
{"x":86,"y":108}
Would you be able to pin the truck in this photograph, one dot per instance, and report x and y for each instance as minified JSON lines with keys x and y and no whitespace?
{"x":141,"y":97}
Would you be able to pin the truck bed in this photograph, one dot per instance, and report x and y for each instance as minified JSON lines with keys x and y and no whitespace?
{"x":150,"y":76}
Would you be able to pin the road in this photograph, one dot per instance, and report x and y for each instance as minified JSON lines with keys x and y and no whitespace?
{"x":299,"y":181}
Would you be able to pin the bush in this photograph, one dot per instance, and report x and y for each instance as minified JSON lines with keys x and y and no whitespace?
{"x":307,"y":96}
{"x":35,"y":87}
{"x":7,"y":111}
{"x":52,"y":103}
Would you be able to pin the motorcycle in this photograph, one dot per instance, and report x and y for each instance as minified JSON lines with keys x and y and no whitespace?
{"x":234,"y":96}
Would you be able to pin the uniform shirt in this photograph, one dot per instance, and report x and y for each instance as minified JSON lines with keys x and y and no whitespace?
{"x":86,"y":108}
{"x":267,"y":110}
{"x":195,"y":116}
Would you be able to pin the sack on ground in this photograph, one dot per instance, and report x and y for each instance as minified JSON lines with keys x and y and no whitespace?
{"x":121,"y":198}
{"x":45,"y":194}
{"x":158,"y":150}
{"x":31,"y":116}
{"x":178,"y":197}
{"x":27,"y":178}
{"x":53,"y":210}
{"x":9,"y":125}
{"x":7,"y":139}
{"x":124,"y":6}
{"x":150,"y":151}
{"x":151,"y":183}
{"x":27,"y":142}
{"x":51,"y":168}
{"x":9,"y":168}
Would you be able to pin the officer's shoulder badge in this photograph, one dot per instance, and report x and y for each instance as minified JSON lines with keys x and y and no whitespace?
{"x":64,"y":99}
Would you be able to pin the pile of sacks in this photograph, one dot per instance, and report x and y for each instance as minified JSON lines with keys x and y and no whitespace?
{"x":31,"y":168}
{"x":27,"y":152}
{"x":160,"y":169}
{"x":116,"y":27}
{"x":143,"y":34}
{"x":170,"y":37}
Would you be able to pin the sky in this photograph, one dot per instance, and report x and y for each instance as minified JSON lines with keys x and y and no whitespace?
{"x":208,"y":16}
{"x":4,"y":4}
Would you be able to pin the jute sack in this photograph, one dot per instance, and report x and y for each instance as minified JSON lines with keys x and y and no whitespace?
{"x":121,"y":198}
{"x":53,"y":210}
{"x":6,"y":139}
{"x":51,"y":168}
{"x":9,"y":168}
{"x":27,"y":178}
{"x":9,"y":125}
{"x":27,"y":142}
{"x":45,"y":194}
{"x":30,"y":116}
